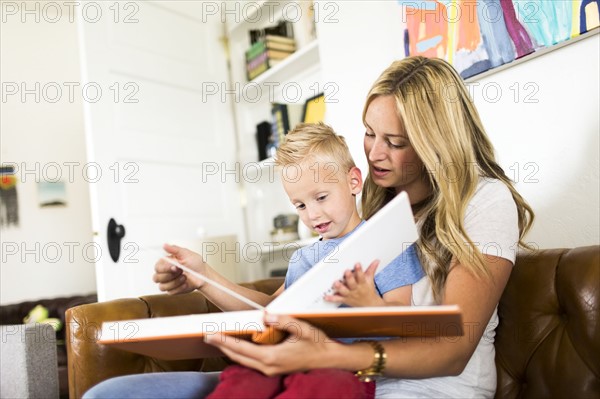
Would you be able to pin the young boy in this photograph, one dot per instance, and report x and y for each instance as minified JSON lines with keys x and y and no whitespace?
{"x":322,"y":181}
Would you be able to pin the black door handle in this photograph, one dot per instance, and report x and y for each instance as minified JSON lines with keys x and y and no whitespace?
{"x":115,"y":233}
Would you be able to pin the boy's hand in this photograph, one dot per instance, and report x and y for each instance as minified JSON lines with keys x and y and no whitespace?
{"x":357,"y":288}
{"x":172,"y":279}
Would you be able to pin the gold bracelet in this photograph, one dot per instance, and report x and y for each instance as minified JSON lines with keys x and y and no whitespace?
{"x":378,"y":365}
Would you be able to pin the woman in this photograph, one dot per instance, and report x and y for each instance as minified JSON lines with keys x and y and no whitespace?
{"x":423,"y":136}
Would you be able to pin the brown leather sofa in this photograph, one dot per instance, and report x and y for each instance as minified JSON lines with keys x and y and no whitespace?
{"x":547,"y":343}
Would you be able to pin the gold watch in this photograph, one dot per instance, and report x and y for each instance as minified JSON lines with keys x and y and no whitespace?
{"x":376,"y":368}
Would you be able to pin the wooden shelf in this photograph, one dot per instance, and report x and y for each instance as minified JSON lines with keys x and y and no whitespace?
{"x":292,"y":81}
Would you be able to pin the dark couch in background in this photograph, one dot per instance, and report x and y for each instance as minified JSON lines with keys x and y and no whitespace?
{"x":15,"y":313}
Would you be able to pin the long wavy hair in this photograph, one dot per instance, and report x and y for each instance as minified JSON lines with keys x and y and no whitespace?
{"x":446,"y":132}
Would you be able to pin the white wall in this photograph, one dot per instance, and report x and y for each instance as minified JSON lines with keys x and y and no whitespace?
{"x":36,"y":262}
{"x":551,"y":147}
{"x":557,"y":138}
{"x":553,"y":142}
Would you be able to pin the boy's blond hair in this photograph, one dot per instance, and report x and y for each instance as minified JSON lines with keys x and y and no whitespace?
{"x":314,"y":142}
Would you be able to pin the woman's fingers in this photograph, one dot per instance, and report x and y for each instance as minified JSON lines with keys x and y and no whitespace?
{"x":239,"y":351}
{"x":296,"y":352}
{"x":294,"y":327}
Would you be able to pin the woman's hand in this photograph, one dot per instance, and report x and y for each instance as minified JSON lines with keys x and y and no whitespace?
{"x":305,"y":348}
{"x":173,"y":280}
{"x":357,"y":288}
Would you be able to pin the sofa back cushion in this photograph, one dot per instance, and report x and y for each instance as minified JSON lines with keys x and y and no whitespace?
{"x":548,"y":339}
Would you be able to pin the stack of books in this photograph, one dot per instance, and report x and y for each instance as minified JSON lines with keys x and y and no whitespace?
{"x":266,"y":53}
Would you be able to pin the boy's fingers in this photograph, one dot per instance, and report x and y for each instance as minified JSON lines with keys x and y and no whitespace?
{"x":340,"y":289}
{"x":370,"y":272}
{"x":359,"y":274}
{"x":334,"y":298}
{"x":349,"y":279}
{"x":172,"y":249}
{"x":173,"y":286}
{"x":163,"y":266}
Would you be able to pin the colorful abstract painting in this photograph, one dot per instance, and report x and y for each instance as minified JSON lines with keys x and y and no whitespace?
{"x":478,"y":35}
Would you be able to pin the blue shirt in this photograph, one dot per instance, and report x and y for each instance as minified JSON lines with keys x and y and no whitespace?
{"x":403,"y":270}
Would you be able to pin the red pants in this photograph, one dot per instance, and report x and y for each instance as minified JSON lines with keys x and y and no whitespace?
{"x":242,"y":382}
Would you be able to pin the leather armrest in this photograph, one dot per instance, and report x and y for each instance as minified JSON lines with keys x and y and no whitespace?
{"x":90,"y":362}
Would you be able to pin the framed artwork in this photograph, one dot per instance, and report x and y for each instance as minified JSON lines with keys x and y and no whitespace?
{"x":314,"y":109}
{"x":478,"y":35}
{"x":52,"y":194}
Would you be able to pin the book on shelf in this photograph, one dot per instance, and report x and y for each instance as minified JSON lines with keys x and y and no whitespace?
{"x":284,"y":117}
{"x":280,"y":39}
{"x":278,"y":54}
{"x":256,"y":61}
{"x":261,"y":68}
{"x":267,"y":52}
{"x":280,"y":123}
{"x":263,"y":137}
{"x":255,"y":69}
{"x":261,"y":59}
{"x":274,"y":47}
{"x":282,"y":29}
{"x":182,"y":337}
{"x":290,"y":48}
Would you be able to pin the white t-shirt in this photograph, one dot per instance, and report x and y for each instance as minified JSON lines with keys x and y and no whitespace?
{"x":491,"y":221}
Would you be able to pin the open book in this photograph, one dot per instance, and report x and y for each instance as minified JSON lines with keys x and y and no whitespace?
{"x":384,"y":237}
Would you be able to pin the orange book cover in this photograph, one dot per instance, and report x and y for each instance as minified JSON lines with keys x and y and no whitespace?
{"x":182,"y":337}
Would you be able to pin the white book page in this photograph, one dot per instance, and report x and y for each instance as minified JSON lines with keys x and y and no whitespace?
{"x":205,"y":324}
{"x":380,"y":310}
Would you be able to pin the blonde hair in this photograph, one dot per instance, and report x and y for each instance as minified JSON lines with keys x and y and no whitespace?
{"x":314,"y":142}
{"x":444,"y":128}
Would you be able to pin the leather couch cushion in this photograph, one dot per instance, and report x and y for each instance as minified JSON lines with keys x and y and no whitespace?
{"x":550,"y":326}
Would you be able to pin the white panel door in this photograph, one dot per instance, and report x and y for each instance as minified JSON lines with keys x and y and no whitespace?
{"x":161,"y":152}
